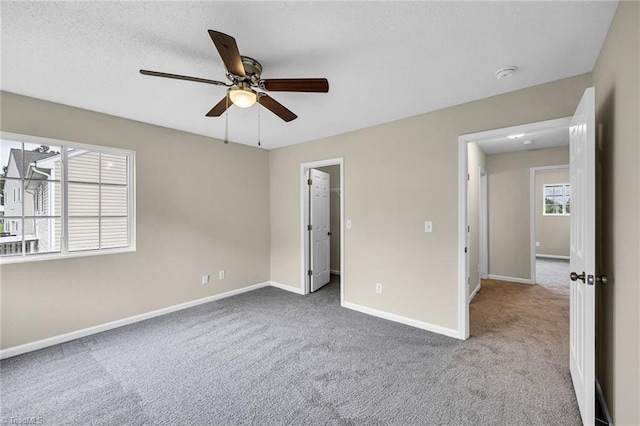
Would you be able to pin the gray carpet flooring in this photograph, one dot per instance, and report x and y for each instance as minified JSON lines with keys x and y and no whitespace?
{"x":272,"y":357}
{"x":553,"y":274}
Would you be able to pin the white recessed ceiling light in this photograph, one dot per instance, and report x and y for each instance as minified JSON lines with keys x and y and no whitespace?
{"x":518,"y":136}
{"x":506,"y":71}
{"x":527,"y":142}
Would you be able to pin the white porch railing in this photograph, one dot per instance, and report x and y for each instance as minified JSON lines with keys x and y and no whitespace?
{"x":13,"y":244}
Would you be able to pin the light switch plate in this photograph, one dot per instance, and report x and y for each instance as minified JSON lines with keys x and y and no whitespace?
{"x":428,"y":226}
{"x":348,"y":223}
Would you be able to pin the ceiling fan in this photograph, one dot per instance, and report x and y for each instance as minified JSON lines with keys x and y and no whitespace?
{"x":245,"y":75}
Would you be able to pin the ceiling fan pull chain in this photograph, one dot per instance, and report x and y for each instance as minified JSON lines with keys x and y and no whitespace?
{"x":226,"y":121}
{"x":259,"y":121}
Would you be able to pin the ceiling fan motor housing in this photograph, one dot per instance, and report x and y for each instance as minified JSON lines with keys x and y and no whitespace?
{"x":252,"y":70}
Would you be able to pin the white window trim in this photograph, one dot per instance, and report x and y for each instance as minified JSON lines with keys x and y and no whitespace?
{"x":564,"y":199}
{"x":131,"y":199}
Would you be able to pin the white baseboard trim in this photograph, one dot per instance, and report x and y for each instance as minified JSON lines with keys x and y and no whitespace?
{"x":286,"y":287}
{"x":334,"y":271}
{"x":552,"y":256}
{"x":403,"y":320}
{"x":512,"y":279}
{"x":473,"y":294}
{"x":603,"y":404}
{"x":67,"y":337}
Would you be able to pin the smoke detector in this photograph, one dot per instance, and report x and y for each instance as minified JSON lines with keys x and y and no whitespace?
{"x":506,"y":71}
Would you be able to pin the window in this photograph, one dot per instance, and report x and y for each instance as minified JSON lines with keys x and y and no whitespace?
{"x":69,"y":199}
{"x":557,"y":199}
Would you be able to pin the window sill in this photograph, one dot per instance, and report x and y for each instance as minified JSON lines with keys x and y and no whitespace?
{"x":59,"y":256}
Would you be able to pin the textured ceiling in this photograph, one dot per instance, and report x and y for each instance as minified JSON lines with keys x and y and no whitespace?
{"x":543,"y":139}
{"x":384,"y":60}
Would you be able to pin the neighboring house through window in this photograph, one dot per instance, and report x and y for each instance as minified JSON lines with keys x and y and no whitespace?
{"x":69,"y":199}
{"x":557,"y":199}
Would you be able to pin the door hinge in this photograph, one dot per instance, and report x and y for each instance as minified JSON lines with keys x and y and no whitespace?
{"x":468,"y":228}
{"x":465,"y":249}
{"x":309,"y":227}
{"x":468,"y":176}
{"x":309,"y":272}
{"x":309,"y":182}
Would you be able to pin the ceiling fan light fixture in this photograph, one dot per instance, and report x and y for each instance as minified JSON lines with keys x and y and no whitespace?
{"x":242,"y":97}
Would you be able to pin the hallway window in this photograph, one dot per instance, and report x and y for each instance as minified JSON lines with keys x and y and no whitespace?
{"x":557,"y":199}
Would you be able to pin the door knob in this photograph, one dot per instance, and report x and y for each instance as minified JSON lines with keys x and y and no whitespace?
{"x":328,"y":233}
{"x":576,"y":277}
{"x":602,"y":279}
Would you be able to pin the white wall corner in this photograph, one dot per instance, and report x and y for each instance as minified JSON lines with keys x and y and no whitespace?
{"x":286,"y":287}
{"x":473,"y":294}
{"x":511,"y":279}
{"x":403,"y":320}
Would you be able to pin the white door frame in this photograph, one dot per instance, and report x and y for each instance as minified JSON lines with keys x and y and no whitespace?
{"x":484,"y":223}
{"x":532,"y":218}
{"x":463,"y":140}
{"x":304,"y":214}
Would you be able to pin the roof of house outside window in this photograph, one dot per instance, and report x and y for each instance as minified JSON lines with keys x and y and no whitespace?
{"x":29,"y":158}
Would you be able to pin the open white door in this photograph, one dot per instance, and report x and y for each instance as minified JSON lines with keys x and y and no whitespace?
{"x":320,"y":230}
{"x":582,"y":304}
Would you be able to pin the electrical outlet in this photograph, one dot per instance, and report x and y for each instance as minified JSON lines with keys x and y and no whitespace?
{"x":428,"y":226}
{"x":205,"y":279}
{"x":378,"y":288}
{"x":537,"y":243}
{"x":221,"y":275}
{"x":348,"y":223}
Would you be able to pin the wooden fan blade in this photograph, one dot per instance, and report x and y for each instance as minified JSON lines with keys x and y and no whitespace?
{"x":228,"y":50}
{"x":276,"y":107}
{"x":220,"y":107}
{"x":182,"y":77}
{"x":295,"y":85}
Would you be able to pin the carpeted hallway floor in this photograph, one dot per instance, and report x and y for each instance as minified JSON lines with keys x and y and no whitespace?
{"x":553,"y":274}
{"x":274,"y":357}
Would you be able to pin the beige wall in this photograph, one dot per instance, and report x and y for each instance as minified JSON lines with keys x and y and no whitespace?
{"x":616,"y":79}
{"x":334,"y":215}
{"x":552,"y":232}
{"x":510,"y":207}
{"x":387,"y":243}
{"x":476,"y":160}
{"x":226,"y":226}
